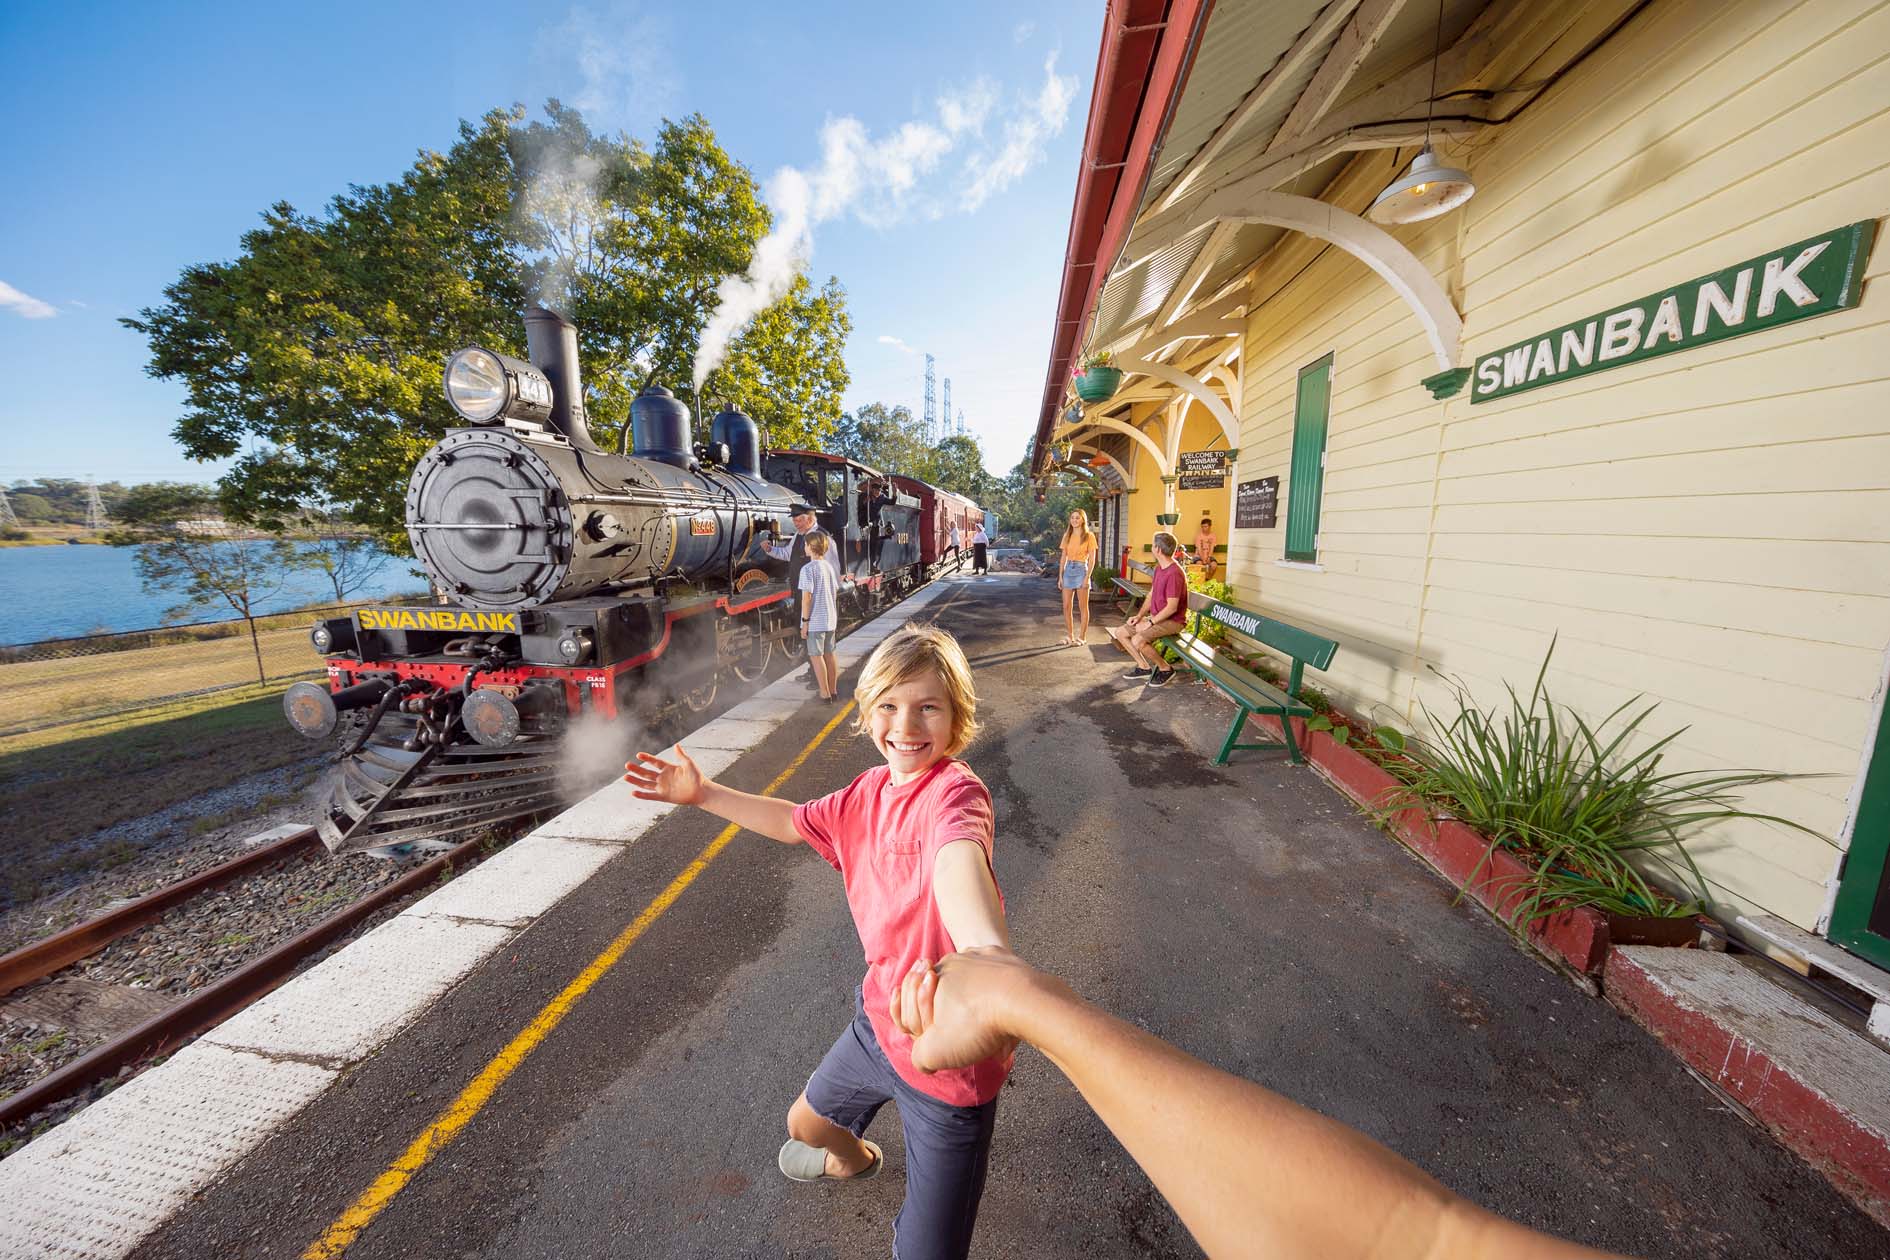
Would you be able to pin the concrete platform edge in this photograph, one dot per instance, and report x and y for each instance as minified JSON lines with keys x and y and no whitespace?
{"x":1854,"y":1157}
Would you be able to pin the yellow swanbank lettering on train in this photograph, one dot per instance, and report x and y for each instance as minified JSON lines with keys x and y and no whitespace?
{"x":437,"y":619}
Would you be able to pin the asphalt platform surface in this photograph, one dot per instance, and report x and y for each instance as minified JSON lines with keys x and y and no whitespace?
{"x":1246,"y":913}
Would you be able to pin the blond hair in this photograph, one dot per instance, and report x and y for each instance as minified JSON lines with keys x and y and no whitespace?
{"x":909,"y":652}
{"x":1073,"y":534}
{"x":816,"y":543}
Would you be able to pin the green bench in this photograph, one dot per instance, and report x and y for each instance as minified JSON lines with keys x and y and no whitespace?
{"x":1250,"y":693}
{"x":1125,"y":589}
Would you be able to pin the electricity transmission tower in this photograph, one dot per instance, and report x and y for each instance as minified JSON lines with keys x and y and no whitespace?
{"x":961,"y":422}
{"x":7,"y":519}
{"x":94,"y":507}
{"x":931,"y":405}
{"x":945,"y":421}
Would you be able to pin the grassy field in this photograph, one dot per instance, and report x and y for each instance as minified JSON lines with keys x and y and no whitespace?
{"x":59,"y":786}
{"x":37,"y":693}
{"x":49,"y":535}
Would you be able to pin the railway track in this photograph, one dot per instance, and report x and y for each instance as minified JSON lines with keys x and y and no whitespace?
{"x":214,"y":1002}
{"x":209,"y":1005}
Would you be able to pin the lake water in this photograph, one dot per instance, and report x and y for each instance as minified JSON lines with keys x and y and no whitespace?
{"x":50,"y":592}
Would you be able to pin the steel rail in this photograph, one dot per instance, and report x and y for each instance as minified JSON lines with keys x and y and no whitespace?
{"x":216,"y":1002}
{"x":42,"y":958}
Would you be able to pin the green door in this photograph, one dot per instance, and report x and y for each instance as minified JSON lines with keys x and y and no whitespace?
{"x":1860,"y":919}
{"x":1307,"y":475}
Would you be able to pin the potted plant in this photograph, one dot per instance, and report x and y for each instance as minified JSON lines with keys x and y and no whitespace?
{"x":1099,"y":380}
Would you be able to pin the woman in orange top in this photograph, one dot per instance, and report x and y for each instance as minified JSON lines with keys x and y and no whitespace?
{"x":1076,"y":558}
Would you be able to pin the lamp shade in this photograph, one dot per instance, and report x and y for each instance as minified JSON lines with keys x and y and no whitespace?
{"x":1425,"y":191}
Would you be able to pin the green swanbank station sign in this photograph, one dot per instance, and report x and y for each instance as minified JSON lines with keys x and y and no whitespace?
{"x":1811,"y":277}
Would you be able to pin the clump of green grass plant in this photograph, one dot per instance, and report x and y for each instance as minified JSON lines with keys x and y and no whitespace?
{"x":1589,"y":807}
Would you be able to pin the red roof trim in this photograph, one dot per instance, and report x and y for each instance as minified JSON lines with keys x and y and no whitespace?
{"x":1147,"y":49}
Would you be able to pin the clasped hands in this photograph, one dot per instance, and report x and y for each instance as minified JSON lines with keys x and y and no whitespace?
{"x":960,"y":1012}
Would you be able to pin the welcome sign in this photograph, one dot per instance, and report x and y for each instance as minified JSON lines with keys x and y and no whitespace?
{"x":1811,"y":277}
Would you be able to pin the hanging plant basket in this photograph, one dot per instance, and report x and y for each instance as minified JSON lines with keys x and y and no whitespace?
{"x":1098,"y":384}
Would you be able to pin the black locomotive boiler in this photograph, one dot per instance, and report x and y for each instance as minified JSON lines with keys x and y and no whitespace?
{"x":573,"y":583}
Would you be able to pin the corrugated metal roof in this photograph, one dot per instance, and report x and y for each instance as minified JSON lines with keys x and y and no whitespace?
{"x":1244,"y":40}
{"x":1133,"y":295}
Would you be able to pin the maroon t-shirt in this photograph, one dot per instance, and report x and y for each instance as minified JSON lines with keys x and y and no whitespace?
{"x":1167,"y":584}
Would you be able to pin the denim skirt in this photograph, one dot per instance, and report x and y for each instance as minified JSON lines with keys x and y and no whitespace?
{"x":1075,"y":575}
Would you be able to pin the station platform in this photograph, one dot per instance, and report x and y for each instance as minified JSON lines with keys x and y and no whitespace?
{"x":587,"y":1046}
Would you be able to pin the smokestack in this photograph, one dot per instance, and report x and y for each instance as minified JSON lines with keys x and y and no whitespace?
{"x":551,"y":344}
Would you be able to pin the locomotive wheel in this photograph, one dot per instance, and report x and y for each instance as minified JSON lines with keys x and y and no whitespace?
{"x":751,"y":648}
{"x":701,"y":698}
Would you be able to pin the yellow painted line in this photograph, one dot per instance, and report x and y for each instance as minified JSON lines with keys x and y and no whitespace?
{"x":341,"y":1235}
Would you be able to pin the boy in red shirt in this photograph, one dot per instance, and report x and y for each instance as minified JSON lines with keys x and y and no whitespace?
{"x":912,"y":840}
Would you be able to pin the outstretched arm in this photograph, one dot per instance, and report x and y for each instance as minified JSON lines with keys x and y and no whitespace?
{"x":967,"y":896}
{"x":1249,"y":1172}
{"x":681,"y":782}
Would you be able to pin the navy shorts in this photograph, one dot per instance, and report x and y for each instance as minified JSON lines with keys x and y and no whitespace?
{"x":947,"y":1147}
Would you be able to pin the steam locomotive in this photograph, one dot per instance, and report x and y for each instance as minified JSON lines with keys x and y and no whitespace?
{"x":580,"y":584}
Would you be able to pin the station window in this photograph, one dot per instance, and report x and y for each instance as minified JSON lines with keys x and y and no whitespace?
{"x":1307,"y":475}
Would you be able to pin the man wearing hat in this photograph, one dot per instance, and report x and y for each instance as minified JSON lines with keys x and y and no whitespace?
{"x":794,"y":551}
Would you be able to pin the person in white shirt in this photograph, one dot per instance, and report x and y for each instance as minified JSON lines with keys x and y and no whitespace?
{"x":955,"y":542}
{"x":979,"y":542}
{"x":819,"y":617}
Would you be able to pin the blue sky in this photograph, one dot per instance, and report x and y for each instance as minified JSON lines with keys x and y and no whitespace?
{"x":146,"y":137}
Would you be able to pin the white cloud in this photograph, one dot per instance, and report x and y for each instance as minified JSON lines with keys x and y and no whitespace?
{"x":21,"y":304}
{"x":1026,"y":132}
{"x":1023,"y":31}
{"x":896,"y":344}
{"x":880,"y":183}
{"x":966,"y":108}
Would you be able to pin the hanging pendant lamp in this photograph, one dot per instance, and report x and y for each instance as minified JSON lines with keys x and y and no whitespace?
{"x":1428,"y":188}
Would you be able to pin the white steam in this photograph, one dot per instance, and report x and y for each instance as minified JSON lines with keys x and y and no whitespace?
{"x":562,"y":209}
{"x":878,"y":182}
{"x":595,"y":750}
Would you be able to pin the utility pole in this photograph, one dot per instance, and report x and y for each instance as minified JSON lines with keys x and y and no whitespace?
{"x":945,"y":421}
{"x":94,"y":507}
{"x":931,"y":404}
{"x":7,"y":519}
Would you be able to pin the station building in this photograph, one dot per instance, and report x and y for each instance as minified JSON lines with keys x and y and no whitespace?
{"x":1632,"y":396}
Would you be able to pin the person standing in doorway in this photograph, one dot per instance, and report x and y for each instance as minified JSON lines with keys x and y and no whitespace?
{"x":1204,"y":546}
{"x":820,"y":620}
{"x":1075,"y":559}
{"x":980,"y":543}
{"x":1163,"y":613}
{"x":954,"y":541}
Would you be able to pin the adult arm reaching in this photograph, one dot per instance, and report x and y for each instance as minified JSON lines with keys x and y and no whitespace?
{"x":1249,"y":1172}
{"x":681,"y":782}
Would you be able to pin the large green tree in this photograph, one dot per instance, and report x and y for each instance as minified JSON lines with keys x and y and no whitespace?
{"x":315,"y":356}
{"x":892,"y":439}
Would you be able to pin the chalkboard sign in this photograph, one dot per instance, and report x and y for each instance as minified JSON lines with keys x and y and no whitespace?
{"x":1257,"y":504}
{"x":1202,"y":481}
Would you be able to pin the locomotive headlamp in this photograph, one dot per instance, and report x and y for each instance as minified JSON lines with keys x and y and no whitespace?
{"x":574,"y":647}
{"x":485,"y":387}
{"x":322,"y":638}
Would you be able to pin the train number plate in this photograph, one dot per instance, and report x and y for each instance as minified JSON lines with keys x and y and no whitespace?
{"x":701,"y":529}
{"x":437,"y":619}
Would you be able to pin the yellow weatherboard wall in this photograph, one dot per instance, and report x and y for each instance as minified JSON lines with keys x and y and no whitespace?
{"x":1710,"y":529}
{"x":1199,"y":432}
